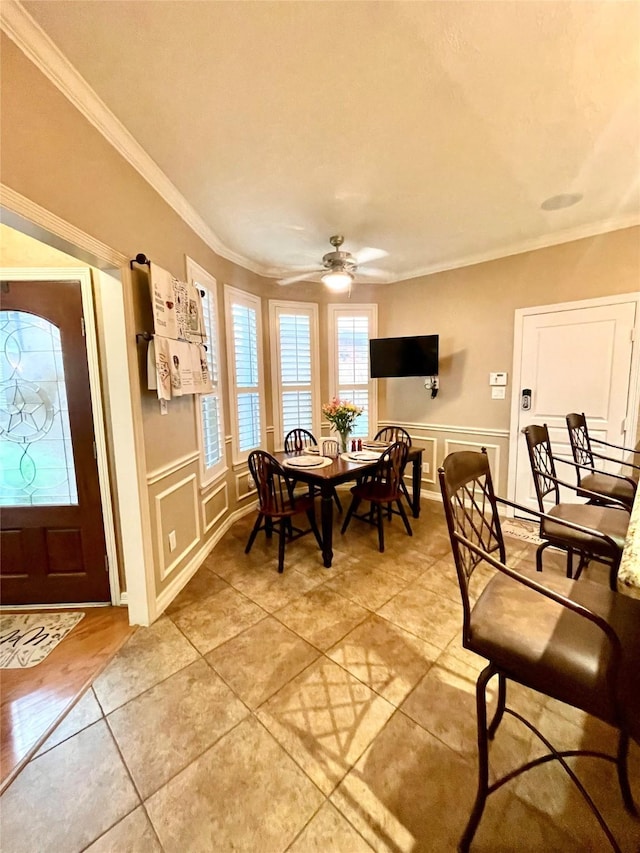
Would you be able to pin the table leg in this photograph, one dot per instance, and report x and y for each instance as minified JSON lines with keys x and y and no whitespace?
{"x":417,"y":477}
{"x":326,"y":514}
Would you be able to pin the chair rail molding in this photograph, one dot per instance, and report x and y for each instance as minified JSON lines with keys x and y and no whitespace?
{"x":171,"y":467}
{"x":460,"y":430}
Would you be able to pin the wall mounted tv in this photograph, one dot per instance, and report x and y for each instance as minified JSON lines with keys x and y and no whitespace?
{"x":408,"y":356}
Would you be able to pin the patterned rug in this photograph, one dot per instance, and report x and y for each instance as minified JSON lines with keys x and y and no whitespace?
{"x":526,"y":530}
{"x":27,"y":638}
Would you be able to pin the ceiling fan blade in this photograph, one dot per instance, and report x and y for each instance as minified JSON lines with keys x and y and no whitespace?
{"x":371,"y":272}
{"x":364,"y":256}
{"x":303,"y":276}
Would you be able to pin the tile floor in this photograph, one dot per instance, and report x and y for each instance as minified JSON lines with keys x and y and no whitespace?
{"x":319,"y":710}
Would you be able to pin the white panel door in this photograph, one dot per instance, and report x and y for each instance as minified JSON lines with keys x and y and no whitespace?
{"x":576,"y":360}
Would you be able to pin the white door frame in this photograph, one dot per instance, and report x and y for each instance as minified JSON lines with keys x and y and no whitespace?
{"x":128,"y":441}
{"x":83,"y":274}
{"x":633,"y":402}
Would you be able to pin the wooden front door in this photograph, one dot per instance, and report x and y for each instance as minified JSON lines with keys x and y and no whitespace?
{"x":52,"y":535}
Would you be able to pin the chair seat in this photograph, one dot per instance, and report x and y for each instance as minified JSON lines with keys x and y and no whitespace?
{"x":612,"y":487}
{"x":612,"y":522}
{"x":552,"y":650}
{"x":303,"y":503}
{"x":375,"y":491}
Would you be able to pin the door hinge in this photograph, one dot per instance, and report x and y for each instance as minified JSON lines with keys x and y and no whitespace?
{"x":106,"y":563}
{"x":82,"y":326}
{"x":623,"y":426}
{"x":632,"y":336}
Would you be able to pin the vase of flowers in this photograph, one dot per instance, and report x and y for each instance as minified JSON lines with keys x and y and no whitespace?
{"x":341,"y":414}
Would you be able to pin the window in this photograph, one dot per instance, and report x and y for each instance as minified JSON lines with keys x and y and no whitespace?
{"x":294,"y":367}
{"x":350,"y":328}
{"x":209,"y":406}
{"x":246,"y":373}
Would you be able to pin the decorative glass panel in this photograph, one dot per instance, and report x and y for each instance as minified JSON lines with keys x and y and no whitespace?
{"x":36,"y":456}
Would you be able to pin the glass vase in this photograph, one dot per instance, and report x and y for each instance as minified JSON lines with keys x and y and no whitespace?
{"x":344,"y":440}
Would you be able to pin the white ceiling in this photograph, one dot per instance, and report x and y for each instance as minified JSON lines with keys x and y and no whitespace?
{"x":432,"y":130}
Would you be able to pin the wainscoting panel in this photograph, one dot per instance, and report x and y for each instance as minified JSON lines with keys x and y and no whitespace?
{"x":438,"y":440}
{"x":245,"y":487}
{"x":493,"y":452}
{"x":177,"y":519}
{"x":214,"y":506}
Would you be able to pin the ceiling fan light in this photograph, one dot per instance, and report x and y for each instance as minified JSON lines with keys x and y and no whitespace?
{"x":338,"y":280}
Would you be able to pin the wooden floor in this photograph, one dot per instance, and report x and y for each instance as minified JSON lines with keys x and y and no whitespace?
{"x":34,"y":700}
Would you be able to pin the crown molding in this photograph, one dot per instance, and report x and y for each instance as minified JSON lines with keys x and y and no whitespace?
{"x":28,"y":210}
{"x":568,"y":235}
{"x":27,"y":34}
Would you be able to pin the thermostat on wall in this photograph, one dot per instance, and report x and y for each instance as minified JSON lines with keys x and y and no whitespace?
{"x":497,"y":379}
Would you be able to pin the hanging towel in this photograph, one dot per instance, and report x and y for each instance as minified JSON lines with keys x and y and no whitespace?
{"x":201,"y":379}
{"x":161,"y":363}
{"x":163,"y":300}
{"x":189,"y":314}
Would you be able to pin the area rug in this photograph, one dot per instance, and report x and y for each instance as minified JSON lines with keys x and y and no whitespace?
{"x":526,"y":530}
{"x":27,"y":638}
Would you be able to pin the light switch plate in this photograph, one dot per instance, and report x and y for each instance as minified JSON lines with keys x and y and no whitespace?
{"x":498,"y":392}
{"x":497,"y":379}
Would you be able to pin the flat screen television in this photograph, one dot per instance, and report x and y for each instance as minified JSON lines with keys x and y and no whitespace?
{"x":408,"y":356}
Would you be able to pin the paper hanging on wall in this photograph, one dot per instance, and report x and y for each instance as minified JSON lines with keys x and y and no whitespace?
{"x":176,"y":368}
{"x":177,"y":307}
{"x":165,"y":321}
{"x":159,"y":374}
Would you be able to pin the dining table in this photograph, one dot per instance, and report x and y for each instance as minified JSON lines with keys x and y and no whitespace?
{"x":344,"y":468}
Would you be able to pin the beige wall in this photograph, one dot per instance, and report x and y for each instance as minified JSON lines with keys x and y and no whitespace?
{"x":472,"y":309}
{"x":54,"y":157}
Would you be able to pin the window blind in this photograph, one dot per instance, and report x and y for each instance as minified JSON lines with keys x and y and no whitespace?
{"x":353,"y":366}
{"x":296,"y":399}
{"x":245,"y":347}
{"x":210,"y":407}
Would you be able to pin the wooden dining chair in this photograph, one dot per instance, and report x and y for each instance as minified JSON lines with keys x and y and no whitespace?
{"x":277,"y":504}
{"x":576,"y":642}
{"x":391,"y":434}
{"x":298,"y":440}
{"x":381,"y":488}
{"x":610,"y":522}
{"x":590,"y":476}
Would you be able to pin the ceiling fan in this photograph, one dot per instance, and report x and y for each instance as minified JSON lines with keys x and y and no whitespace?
{"x":340,"y":268}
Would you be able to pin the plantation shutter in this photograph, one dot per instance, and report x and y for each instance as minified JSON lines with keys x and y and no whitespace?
{"x":353,"y":366}
{"x":210,"y":403}
{"x":245,"y":347}
{"x":295,"y":371}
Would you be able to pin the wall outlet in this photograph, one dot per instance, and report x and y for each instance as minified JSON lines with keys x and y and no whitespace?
{"x":172,"y":540}
{"x":498,"y":392}
{"x":426,"y":468}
